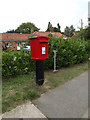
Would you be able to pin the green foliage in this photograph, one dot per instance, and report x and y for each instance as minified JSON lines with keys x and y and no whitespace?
{"x":50,"y":35}
{"x":59,"y":27}
{"x":69,"y":31}
{"x":26,"y":28}
{"x":49,"y":26}
{"x":55,"y":29}
{"x":16,"y":63}
{"x":32,"y":95}
{"x":70,"y":52}
{"x":87,"y":33}
{"x":83,"y":33}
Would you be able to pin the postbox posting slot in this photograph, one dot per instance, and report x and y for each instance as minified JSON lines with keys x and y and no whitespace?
{"x":43,"y":42}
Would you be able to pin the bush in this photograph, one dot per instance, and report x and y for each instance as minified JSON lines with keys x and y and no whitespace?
{"x":68,"y":52}
{"x":16,"y":63}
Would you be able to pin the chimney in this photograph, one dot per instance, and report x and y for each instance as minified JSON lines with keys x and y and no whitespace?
{"x":32,"y":30}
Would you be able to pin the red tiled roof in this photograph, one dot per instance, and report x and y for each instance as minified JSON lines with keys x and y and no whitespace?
{"x":18,"y":36}
{"x":13,"y":36}
{"x":41,"y":33}
{"x":58,"y":34}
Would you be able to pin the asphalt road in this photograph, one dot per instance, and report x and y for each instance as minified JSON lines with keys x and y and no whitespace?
{"x":67,"y":101}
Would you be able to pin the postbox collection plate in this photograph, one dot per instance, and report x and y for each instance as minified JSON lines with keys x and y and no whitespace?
{"x":43,"y":50}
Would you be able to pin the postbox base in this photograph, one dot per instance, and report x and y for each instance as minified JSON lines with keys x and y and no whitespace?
{"x":39,"y":72}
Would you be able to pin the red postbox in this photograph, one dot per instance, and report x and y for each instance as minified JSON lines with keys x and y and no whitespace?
{"x":39,"y":47}
{"x":39,"y":52}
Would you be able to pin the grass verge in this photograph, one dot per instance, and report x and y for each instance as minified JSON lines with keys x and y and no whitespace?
{"x":16,"y":91}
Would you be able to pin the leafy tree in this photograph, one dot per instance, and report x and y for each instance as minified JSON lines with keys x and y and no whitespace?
{"x":87,"y":33}
{"x":72,"y":30}
{"x":49,"y":26}
{"x":83,"y":33}
{"x":59,"y":27}
{"x":12,"y":31}
{"x":69,"y":31}
{"x":55,"y":29}
{"x":26,"y":28}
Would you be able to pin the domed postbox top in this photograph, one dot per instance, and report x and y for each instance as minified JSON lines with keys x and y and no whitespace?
{"x":39,"y":37}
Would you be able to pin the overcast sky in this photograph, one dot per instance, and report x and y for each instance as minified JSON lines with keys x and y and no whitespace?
{"x":65,"y":12}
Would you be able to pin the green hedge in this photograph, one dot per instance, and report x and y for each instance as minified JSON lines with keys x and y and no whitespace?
{"x":16,"y":63}
{"x":69,"y":52}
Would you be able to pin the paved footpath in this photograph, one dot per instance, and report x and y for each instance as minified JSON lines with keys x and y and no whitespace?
{"x":27,"y":110}
{"x":67,"y":101}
